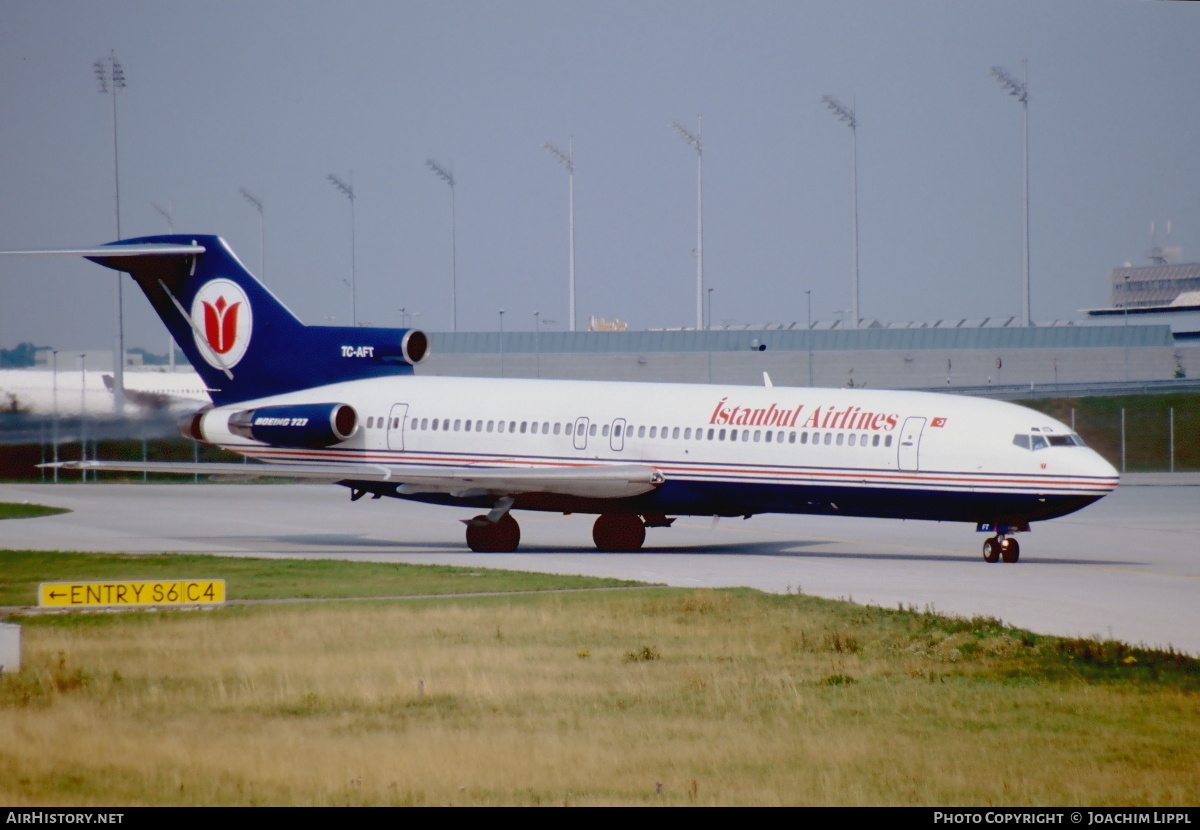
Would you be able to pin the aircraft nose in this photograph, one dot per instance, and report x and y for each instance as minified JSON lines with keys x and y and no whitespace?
{"x":1095,"y":466}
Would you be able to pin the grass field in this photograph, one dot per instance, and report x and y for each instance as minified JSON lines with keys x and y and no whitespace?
{"x":28,"y":511}
{"x":653,"y":696}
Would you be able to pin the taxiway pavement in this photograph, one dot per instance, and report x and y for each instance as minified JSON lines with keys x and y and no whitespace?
{"x":1128,"y":567}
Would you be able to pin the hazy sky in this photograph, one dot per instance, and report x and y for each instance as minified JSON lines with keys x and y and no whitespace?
{"x":274,"y":96}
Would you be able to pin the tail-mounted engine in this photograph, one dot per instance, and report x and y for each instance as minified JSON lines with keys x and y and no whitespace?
{"x":296,"y":425}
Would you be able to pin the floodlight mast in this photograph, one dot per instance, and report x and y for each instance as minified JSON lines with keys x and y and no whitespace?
{"x":1020,"y":91}
{"x":348,"y":191}
{"x":262,"y":239}
{"x":111,"y":76}
{"x":847,"y":115}
{"x":567,"y":160}
{"x":448,"y":177}
{"x":694,"y":139}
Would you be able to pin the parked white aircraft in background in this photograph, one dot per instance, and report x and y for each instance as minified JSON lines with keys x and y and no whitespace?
{"x":71,"y":392}
{"x":342,"y":405}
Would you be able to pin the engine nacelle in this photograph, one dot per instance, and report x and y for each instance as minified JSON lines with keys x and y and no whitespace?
{"x":296,"y":425}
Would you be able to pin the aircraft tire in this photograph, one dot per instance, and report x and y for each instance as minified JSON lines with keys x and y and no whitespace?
{"x":619,"y":532}
{"x":1010,"y":551}
{"x":991,"y":550}
{"x":501,"y":537}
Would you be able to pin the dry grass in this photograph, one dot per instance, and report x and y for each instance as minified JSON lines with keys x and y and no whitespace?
{"x":714,"y":698}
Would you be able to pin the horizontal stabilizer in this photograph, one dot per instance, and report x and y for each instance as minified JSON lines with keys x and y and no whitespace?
{"x":592,"y":481}
{"x":149,"y":249}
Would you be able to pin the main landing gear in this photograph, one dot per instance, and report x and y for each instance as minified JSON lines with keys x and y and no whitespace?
{"x":1001,"y":547}
{"x":498,"y":531}
{"x":502,"y":536}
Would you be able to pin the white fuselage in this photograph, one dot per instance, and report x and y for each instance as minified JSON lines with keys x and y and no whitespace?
{"x":725,"y":450}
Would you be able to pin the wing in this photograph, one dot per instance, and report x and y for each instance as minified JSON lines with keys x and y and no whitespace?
{"x":588,"y":481}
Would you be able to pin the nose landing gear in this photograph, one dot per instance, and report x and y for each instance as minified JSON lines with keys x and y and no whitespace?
{"x":1001,"y":547}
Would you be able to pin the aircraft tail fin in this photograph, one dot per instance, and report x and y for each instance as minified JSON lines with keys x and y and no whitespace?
{"x":241,"y":339}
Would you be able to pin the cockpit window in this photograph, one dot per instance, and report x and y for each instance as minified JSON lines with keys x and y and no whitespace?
{"x":1041,"y":442}
{"x":1071,"y":440}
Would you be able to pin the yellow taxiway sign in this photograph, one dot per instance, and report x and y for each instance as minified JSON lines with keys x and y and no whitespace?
{"x":118,"y":594}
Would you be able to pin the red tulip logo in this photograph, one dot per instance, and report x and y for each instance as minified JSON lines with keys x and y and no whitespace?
{"x":223,"y":320}
{"x":220,"y":324}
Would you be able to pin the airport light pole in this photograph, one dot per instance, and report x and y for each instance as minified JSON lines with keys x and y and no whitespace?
{"x":501,"y":342}
{"x":54,"y":364}
{"x":111,"y":76}
{"x":808,"y":334}
{"x":847,"y":115}
{"x":1020,"y":91}
{"x":166,"y":213}
{"x":257,"y":204}
{"x":694,"y":139}
{"x":348,"y":191}
{"x":448,"y":177}
{"x":537,"y":340}
{"x":567,"y":160}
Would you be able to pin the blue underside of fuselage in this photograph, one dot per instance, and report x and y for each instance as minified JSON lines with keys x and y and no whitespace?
{"x":708,"y":498}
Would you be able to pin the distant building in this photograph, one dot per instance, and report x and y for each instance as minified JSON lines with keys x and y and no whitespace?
{"x":1167,"y":291}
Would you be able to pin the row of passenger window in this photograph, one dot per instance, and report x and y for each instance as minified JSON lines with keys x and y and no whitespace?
{"x":629,"y":431}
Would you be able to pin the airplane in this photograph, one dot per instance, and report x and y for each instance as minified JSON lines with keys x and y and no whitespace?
{"x":71,"y":393}
{"x":344,"y":405}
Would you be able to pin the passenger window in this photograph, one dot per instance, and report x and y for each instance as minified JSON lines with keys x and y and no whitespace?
{"x":791,"y":437}
{"x":490,"y":425}
{"x":712,"y":432}
{"x":545,"y":428}
{"x":653,"y":432}
{"x":853,"y":438}
{"x":617,"y":431}
{"x":592,"y":431}
{"x":370,"y":422}
{"x":424,"y":423}
{"x":641,"y":432}
{"x":435,"y":423}
{"x":479,"y":426}
{"x":828,"y":438}
{"x":457,"y":424}
{"x":604,"y":432}
{"x":524,"y":426}
{"x":768,"y":436}
{"x":512,"y":426}
{"x":887,"y":442}
{"x":757,"y":435}
{"x":687,"y":434}
{"x":556,"y":426}
{"x":675,"y":432}
{"x":875,"y":441}
{"x":579,"y":430}
{"x":467,"y":425}
{"x":840,"y":437}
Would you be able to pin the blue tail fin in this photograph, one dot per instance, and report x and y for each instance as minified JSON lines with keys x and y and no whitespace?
{"x":242,"y":340}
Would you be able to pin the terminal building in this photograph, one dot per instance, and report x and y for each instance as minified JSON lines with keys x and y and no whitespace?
{"x":1149,"y":338}
{"x":1165,"y":292}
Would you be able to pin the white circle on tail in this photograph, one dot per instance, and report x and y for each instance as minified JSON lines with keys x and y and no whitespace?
{"x":222,"y":321}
